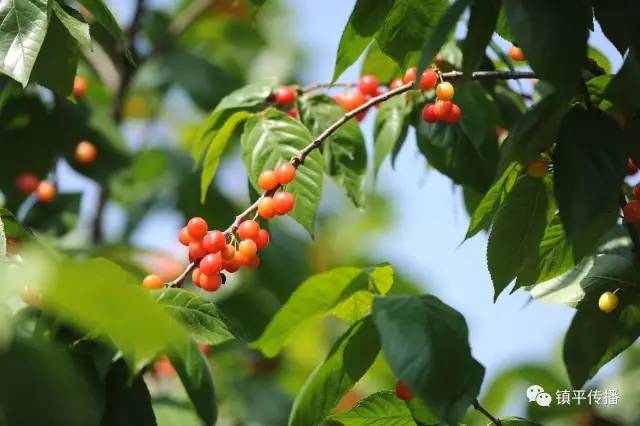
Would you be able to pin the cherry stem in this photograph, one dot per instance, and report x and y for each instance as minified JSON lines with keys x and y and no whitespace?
{"x":496,"y":421}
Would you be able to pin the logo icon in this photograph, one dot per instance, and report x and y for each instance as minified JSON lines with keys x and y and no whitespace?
{"x":536,"y":393}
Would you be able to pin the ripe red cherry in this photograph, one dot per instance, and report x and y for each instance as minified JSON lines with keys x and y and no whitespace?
{"x":429,"y":113}
{"x":196,"y":251}
{"x":80,"y":86}
{"x":636,"y":192}
{"x":428,"y":79}
{"x":368,"y":85}
{"x":197,"y":227}
{"x":515,"y":53}
{"x":211,"y":264}
{"x":228,"y":252}
{"x":27,"y":183}
{"x":184,"y":237}
{"x":248,"y":229}
{"x":210,"y":282}
{"x":253,"y":261}
{"x":195,"y":276}
{"x":262,"y":239}
{"x":410,"y":75}
{"x":454,"y":115}
{"x":86,"y":153}
{"x":352,"y":100}
{"x":46,"y":191}
{"x":266,"y":208}
{"x":285,"y":173}
{"x":395,"y":83}
{"x":293,"y":113}
{"x":632,"y":168}
{"x":284,"y":202}
{"x":268,"y":180}
{"x":403,"y":392}
{"x":442,"y":109}
{"x":248,"y":247}
{"x":631,"y":211}
{"x":214,"y":241}
{"x":152,"y":281}
{"x":285,"y":95}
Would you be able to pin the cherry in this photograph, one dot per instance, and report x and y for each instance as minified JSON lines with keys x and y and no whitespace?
{"x":410,"y":75}
{"x":196,"y":251}
{"x":253,"y":261}
{"x":248,"y":229}
{"x":284,"y":202}
{"x":293,"y":113}
{"x":211,"y":264}
{"x":351,"y":100}
{"x":608,"y":302}
{"x":636,"y":192}
{"x":86,"y":153}
{"x":285,"y":95}
{"x":210,"y":282}
{"x":368,"y":85}
{"x":403,"y":392}
{"x":248,"y":247}
{"x":197,"y":227}
{"x":454,"y":115}
{"x":240,"y":259}
{"x":395,"y":83}
{"x":441,"y":109}
{"x":80,"y":86}
{"x":285,"y":173}
{"x":152,"y":281}
{"x":428,"y":79}
{"x":214,"y":241}
{"x":445,"y":91}
{"x":429,"y":114}
{"x":268,"y":180}
{"x":195,"y":276}
{"x":46,"y":191}
{"x":262,"y":239}
{"x":632,"y":168}
{"x":184,"y":237}
{"x":537,"y":169}
{"x":515,"y":53}
{"x":27,"y":183}
{"x":631,"y":211}
{"x":228,"y":252}
{"x":266,"y":208}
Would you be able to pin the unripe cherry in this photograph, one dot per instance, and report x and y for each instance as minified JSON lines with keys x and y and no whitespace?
{"x":454,"y":115}
{"x":429,"y":114}
{"x":214,"y":241}
{"x":27,"y":183}
{"x":86,"y":153}
{"x":184,"y":237}
{"x":285,"y":95}
{"x":368,"y":85}
{"x":403,"y":392}
{"x":631,"y":211}
{"x":210,"y":282}
{"x":268,"y":180}
{"x":211,"y":264}
{"x":248,"y":229}
{"x":608,"y":302}
{"x":410,"y":75}
{"x":266,"y":208}
{"x":80,"y":86}
{"x":284,"y":202}
{"x":262,"y":239}
{"x":197,"y":227}
{"x":248,"y":247}
{"x":515,"y":53}
{"x":428,"y":79}
{"x":537,"y":169}
{"x":285,"y":173}
{"x":441,"y":109}
{"x":152,"y":281}
{"x":196,"y":250}
{"x":445,"y":91}
{"x":46,"y":191}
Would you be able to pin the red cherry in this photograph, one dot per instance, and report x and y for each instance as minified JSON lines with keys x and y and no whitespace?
{"x":429,"y":114}
{"x":211,"y":282}
{"x":410,"y":75}
{"x":46,"y":191}
{"x":248,"y":247}
{"x":214,"y":241}
{"x":285,"y":173}
{"x":196,"y":251}
{"x":152,"y":282}
{"x":631,"y":211}
{"x":268,"y":180}
{"x":80,"y":86}
{"x":253,"y":261}
{"x":184,"y":237}
{"x":515,"y":53}
{"x":27,"y":183}
{"x":284,"y":202}
{"x":442,"y":109}
{"x":636,"y":192}
{"x":352,"y":100}
{"x":429,"y":79}
{"x":211,"y":264}
{"x":395,"y":83}
{"x":285,"y":95}
{"x":195,"y":276}
{"x":266,"y":208}
{"x":293,"y":113}
{"x":454,"y":115}
{"x":262,"y":239}
{"x":197,"y":227}
{"x":248,"y":229}
{"x":228,"y":252}
{"x":403,"y":392}
{"x":368,"y":85}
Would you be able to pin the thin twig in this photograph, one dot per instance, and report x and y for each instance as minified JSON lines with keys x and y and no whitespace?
{"x":496,"y":421}
{"x":315,"y":86}
{"x":183,"y":276}
{"x":631,"y":230}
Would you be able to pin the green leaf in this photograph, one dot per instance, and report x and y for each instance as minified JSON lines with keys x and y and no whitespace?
{"x":600,"y":58}
{"x":57,"y":217}
{"x":198,"y":315}
{"x":553,"y":35}
{"x":217,"y":146}
{"x":484,"y":213}
{"x":344,"y":152}
{"x":3,"y":240}
{"x":618,"y":19}
{"x":103,"y":15}
{"x":502,"y":27}
{"x":315,"y":297}
{"x":365,"y":20}
{"x":444,"y":26}
{"x":98,"y":295}
{"x":73,"y":22}
{"x":23,"y":27}
{"x":273,"y":138}
{"x":378,"y":64}
{"x":588,"y":173}
{"x":517,"y":230}
{"x":594,"y":338}
{"x":478,"y":119}
{"x":348,"y":360}
{"x":194,"y":372}
{"x":379,"y":409}
{"x":390,"y":128}
{"x":128,"y":402}
{"x":517,"y":421}
{"x":482,"y":21}
{"x":624,"y":89}
{"x":425,"y":342}
{"x":173,"y":413}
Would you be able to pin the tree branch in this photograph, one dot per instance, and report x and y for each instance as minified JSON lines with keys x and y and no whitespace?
{"x":631,"y":230}
{"x":183,"y":276}
{"x":496,"y":421}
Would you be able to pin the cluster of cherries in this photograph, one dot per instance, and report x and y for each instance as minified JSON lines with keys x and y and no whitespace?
{"x":45,"y":190}
{"x":211,"y":250}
